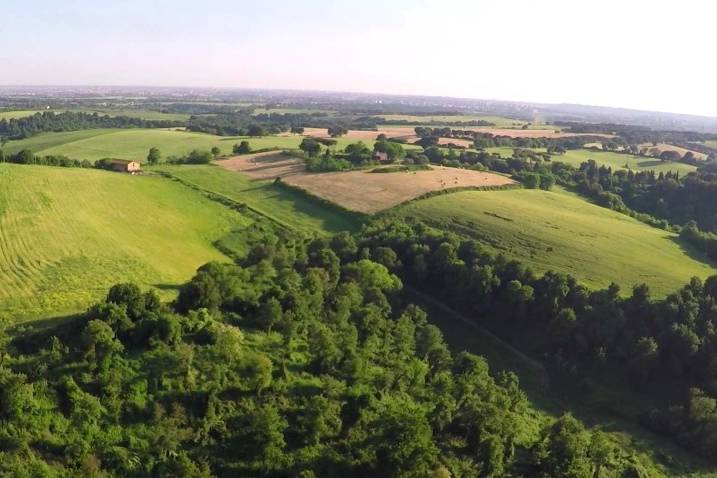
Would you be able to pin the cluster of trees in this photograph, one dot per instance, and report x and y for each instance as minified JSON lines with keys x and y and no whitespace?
{"x":595,"y":335}
{"x":631,"y":134}
{"x":18,"y":128}
{"x":245,"y":123}
{"x":26,"y":156}
{"x":196,"y":156}
{"x":669,"y":196}
{"x":353,"y":155}
{"x":299,"y":360}
{"x":242,"y":148}
{"x":705,"y":241}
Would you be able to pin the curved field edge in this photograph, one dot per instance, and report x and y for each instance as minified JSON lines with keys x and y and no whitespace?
{"x":68,"y":234}
{"x":557,"y":230}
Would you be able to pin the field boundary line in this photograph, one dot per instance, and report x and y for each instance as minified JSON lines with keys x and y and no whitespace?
{"x":224,"y":199}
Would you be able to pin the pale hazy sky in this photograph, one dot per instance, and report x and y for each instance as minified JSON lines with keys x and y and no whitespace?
{"x":647,"y":54}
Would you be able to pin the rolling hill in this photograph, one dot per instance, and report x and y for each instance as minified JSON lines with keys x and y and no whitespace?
{"x":67,"y":234}
{"x":560,"y":231}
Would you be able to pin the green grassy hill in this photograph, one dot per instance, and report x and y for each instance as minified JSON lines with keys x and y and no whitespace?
{"x":67,"y":234}
{"x":135,"y":143}
{"x":562,"y":232}
{"x":288,"y":207}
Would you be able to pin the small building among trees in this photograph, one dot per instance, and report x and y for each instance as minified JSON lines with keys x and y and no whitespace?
{"x":124,"y":166}
{"x":381,"y":157}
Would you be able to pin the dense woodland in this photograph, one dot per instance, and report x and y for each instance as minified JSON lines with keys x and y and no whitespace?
{"x":593,"y":335}
{"x":18,"y":128}
{"x":304,"y":359}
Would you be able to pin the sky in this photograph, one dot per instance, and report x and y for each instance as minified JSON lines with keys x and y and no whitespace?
{"x":645,"y":54}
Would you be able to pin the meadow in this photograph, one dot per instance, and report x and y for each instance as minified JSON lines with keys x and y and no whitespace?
{"x":622,"y":161}
{"x":576,"y":157}
{"x":66,"y":235}
{"x":557,"y":230}
{"x":134,"y":144}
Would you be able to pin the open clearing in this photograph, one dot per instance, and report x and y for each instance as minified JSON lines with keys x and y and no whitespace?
{"x":361,"y":191}
{"x":67,"y":234}
{"x":556,"y":230}
{"x":621,"y":161}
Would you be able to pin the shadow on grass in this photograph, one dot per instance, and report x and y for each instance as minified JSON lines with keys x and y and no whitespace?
{"x":693,"y":253}
{"x":168,"y":287}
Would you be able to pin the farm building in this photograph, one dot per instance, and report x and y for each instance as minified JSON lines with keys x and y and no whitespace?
{"x":380,"y":157}
{"x":124,"y":166}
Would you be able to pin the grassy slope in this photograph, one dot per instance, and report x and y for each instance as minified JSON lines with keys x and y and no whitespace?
{"x":285,"y":206}
{"x":134,"y":143}
{"x":560,"y":231}
{"x":60,"y":251}
{"x":575,"y":157}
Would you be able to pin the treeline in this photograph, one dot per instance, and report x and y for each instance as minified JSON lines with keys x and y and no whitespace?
{"x":26,"y":156}
{"x":18,"y":128}
{"x":665,"y":195}
{"x":299,"y":360}
{"x":247,"y":124}
{"x":629,"y":134}
{"x":354,"y":155}
{"x":430,"y":136}
{"x":591,"y":335}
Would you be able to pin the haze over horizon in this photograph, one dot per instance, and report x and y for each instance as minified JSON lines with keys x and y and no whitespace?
{"x":655,"y":56}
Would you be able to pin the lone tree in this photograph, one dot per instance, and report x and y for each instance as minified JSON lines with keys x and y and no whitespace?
{"x":310,"y":147}
{"x":336,"y":131}
{"x":154,"y":156}
{"x":216,"y":152}
{"x":242,"y":148}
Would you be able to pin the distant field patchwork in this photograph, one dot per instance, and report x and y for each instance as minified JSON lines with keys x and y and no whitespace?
{"x":66,"y":235}
{"x":135,"y":143}
{"x":562,"y":232}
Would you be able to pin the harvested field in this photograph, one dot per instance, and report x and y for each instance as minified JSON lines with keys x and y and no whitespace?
{"x":655,"y":150}
{"x":361,"y":191}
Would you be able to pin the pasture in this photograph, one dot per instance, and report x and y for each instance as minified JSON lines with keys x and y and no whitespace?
{"x":556,"y":230}
{"x":134,"y":144}
{"x":66,"y":235}
{"x":361,"y":191}
{"x":616,"y":161}
{"x":575,"y":157}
